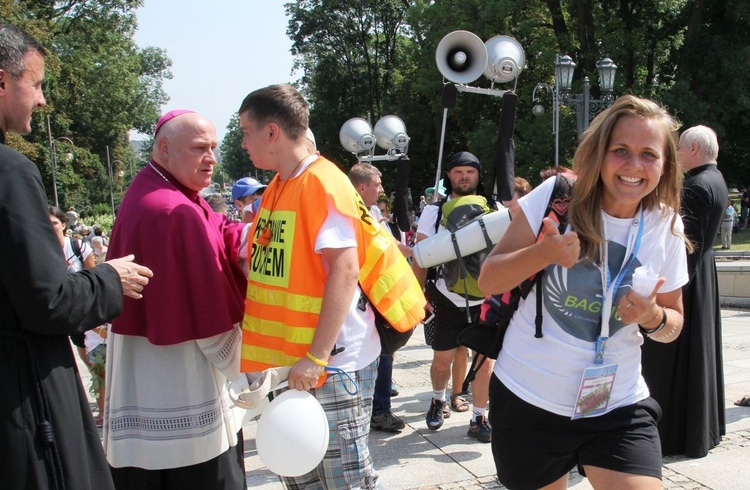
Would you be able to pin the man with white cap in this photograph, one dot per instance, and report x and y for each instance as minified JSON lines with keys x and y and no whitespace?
{"x":246,"y":195}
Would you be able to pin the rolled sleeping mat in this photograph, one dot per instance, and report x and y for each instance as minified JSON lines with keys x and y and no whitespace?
{"x":438,"y":249}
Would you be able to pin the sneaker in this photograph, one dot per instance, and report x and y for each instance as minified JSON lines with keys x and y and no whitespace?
{"x":480,"y":429}
{"x":394,"y":389}
{"x":387,"y":422}
{"x":435,"y":415}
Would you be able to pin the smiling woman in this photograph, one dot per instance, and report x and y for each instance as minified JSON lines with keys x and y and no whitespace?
{"x":632,"y":165}
{"x":624,"y":213}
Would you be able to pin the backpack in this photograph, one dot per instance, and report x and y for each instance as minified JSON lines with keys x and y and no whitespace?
{"x":485,"y":336}
{"x":461,"y":275}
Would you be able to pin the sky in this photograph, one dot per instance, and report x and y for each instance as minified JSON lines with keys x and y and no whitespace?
{"x":220,"y":50}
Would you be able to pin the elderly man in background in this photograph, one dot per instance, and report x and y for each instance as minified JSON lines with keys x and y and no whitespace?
{"x":168,"y":421}
{"x":686,"y":376}
{"x":47,"y":435}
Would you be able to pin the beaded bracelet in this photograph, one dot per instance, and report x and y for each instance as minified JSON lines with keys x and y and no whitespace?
{"x":663,"y":324}
{"x":317,"y":361}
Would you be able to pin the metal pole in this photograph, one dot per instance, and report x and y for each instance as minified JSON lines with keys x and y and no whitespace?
{"x":111,"y":193}
{"x":586,"y":97}
{"x":556,"y":119}
{"x":440,"y":152}
{"x":53,"y":160}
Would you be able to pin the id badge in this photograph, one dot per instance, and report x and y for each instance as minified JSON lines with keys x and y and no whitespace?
{"x":596,"y":388}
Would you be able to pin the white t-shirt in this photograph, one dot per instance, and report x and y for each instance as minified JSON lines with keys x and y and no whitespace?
{"x":426,"y":226}
{"x":547,"y":372}
{"x":74,"y":263}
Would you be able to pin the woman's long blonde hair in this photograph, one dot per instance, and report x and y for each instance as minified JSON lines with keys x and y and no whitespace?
{"x":585,"y":208}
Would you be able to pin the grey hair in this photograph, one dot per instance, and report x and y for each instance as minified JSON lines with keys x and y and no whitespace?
{"x":706,"y":139}
{"x":15,"y":44}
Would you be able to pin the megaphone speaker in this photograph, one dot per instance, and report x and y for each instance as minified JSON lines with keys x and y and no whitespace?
{"x":461,"y":57}
{"x":390,"y":132}
{"x":506,"y":59}
{"x":356,"y":135}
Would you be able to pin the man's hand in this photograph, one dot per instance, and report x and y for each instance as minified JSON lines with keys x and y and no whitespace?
{"x":305,"y":374}
{"x":134,"y":277}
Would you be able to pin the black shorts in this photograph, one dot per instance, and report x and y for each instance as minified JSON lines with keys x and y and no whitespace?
{"x":449,"y":319}
{"x":533,"y":447}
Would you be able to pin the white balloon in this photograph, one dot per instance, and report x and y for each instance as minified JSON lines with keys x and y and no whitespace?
{"x":292,"y":435}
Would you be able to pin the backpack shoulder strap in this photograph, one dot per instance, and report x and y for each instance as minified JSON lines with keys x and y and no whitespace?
{"x":439,"y":218}
{"x":76,"y":248}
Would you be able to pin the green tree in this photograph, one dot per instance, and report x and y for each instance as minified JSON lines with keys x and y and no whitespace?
{"x":711,"y":80}
{"x":233,"y":158}
{"x":98,"y":86}
{"x":350,"y":56}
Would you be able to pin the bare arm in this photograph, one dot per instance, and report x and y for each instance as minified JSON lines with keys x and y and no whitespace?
{"x":343,"y":275}
{"x":518,"y":255}
{"x":418,"y":271}
{"x":89,"y":262}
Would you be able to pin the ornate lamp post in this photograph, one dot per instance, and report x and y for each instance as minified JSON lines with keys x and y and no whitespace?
{"x":53,"y":157}
{"x":110,"y":178}
{"x":584,"y":106}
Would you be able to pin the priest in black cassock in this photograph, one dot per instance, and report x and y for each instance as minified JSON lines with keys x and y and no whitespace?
{"x":48,"y":439}
{"x":686,"y":376}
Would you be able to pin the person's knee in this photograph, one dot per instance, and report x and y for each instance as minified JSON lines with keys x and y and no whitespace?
{"x":441,"y":360}
{"x":485,"y":372}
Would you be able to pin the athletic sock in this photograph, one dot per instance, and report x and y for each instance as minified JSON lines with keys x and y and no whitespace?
{"x":439,"y":395}
{"x":478,"y":412}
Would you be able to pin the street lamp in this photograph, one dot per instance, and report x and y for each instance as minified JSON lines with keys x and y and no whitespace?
{"x":538,"y":110}
{"x":584,"y":106}
{"x":109,"y":175}
{"x":53,"y":157}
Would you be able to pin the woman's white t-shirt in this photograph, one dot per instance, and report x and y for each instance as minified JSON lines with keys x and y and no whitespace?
{"x":75,"y":264}
{"x":547,"y":372}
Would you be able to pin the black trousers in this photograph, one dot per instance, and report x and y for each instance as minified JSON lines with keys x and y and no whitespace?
{"x":224,"y":472}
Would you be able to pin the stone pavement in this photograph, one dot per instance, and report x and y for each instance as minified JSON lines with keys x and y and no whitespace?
{"x":448,"y":459}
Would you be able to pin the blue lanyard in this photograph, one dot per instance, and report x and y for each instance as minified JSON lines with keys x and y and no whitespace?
{"x":609,"y":287}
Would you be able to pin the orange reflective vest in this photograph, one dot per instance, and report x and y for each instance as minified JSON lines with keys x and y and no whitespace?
{"x":287,"y":279}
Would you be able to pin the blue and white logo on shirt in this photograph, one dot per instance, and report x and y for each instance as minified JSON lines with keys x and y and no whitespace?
{"x":573,"y":297}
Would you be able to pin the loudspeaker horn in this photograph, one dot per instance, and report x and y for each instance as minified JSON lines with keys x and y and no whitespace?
{"x":506,"y":59}
{"x":356,"y":135}
{"x":390,"y":132}
{"x":461,"y":57}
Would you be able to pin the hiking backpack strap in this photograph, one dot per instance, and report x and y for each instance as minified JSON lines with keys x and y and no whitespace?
{"x":76,"y":248}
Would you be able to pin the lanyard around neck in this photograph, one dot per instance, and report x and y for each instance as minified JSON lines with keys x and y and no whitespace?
{"x":609,"y":286}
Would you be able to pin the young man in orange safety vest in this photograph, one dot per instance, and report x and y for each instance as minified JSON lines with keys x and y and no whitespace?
{"x":319,"y":264}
